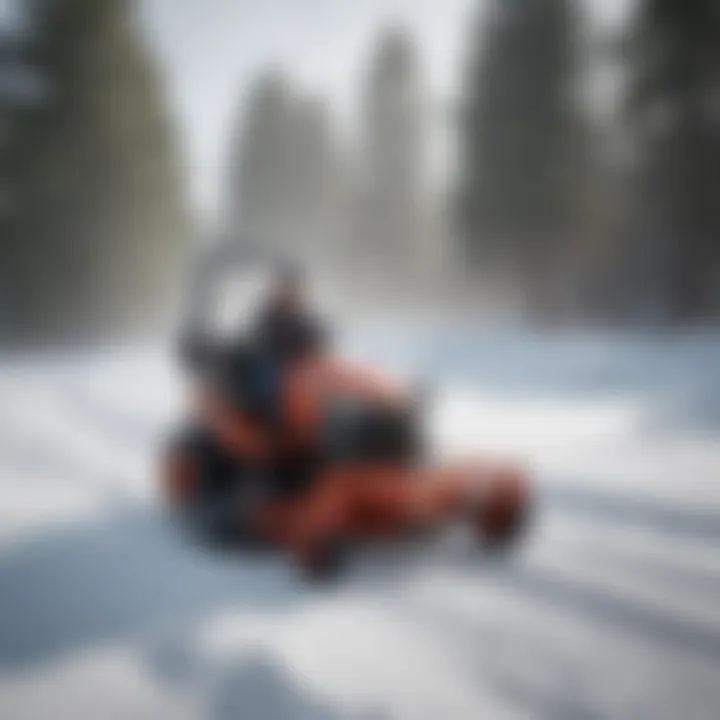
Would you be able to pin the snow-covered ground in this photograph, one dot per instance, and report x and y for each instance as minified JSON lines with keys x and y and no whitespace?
{"x":611,"y":610}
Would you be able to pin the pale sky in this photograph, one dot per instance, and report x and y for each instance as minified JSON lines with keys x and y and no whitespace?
{"x":211,"y":49}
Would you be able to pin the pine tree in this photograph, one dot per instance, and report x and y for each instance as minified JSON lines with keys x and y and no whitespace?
{"x":312,"y":178}
{"x":673,"y":103}
{"x":393,"y":175}
{"x":258,"y":188}
{"x":99,"y":211}
{"x":281,"y":191}
{"x":13,"y":111}
{"x":520,"y":139}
